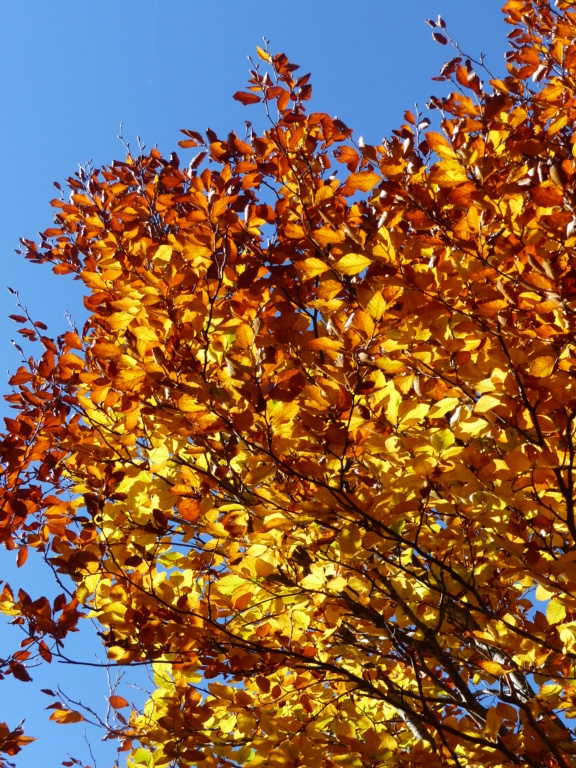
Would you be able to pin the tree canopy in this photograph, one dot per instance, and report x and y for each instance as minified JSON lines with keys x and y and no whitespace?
{"x":312,"y":454}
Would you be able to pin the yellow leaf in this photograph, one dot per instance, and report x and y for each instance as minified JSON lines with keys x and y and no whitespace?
{"x":352,"y":264}
{"x":293,"y":231}
{"x":158,"y":457}
{"x":364,"y":181}
{"x":350,"y":539}
{"x":376,"y":306}
{"x":312,"y":266}
{"x":129,"y":379}
{"x":442,"y":407}
{"x":164,"y":253}
{"x":262,"y":53}
{"x":145,"y":333}
{"x":542,"y":367}
{"x":486,"y":403}
{"x":442,"y":440}
{"x":193,"y":251}
{"x":389,"y":365}
{"x":567,"y":634}
{"x":447,"y":173}
{"x":543,"y":594}
{"x":323,"y":195}
{"x":188,"y":404}
{"x":412,"y":413}
{"x":314,"y":580}
{"x":119,"y":320}
{"x":555,"y":612}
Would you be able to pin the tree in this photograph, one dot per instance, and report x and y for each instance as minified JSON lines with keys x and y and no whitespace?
{"x":312,"y":454}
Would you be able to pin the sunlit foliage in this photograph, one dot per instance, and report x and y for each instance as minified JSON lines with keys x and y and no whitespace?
{"x":312,"y":454}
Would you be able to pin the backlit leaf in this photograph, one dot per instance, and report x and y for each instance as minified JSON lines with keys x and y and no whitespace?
{"x":352,"y":264}
{"x":364,"y":180}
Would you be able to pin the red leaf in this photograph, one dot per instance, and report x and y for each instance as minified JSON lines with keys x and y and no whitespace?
{"x":20,"y":672}
{"x":439,"y":38}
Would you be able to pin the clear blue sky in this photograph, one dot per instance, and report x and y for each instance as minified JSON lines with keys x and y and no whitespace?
{"x":71,"y":71}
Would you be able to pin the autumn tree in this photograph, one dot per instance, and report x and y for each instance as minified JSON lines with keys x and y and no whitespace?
{"x":312,"y":455}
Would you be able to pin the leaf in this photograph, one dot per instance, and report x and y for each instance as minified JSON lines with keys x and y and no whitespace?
{"x":440,"y":145}
{"x":493,"y":722}
{"x":352,"y":264}
{"x":244,"y":336}
{"x":542,"y":367}
{"x":264,"y":55}
{"x":312,"y":266}
{"x":555,"y":611}
{"x":442,"y":407}
{"x":164,"y":253}
{"x":325,"y":343}
{"x":363,"y":181}
{"x":486,"y":403}
{"x":411,"y":413}
{"x":246,"y":98}
{"x":376,"y":306}
{"x":20,"y":672}
{"x":117,"y":702}
{"x":22,"y":556}
{"x":493,"y":668}
{"x":448,"y":173}
{"x":440,"y":38}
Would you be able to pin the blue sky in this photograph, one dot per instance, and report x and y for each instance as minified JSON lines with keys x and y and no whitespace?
{"x":71,"y":72}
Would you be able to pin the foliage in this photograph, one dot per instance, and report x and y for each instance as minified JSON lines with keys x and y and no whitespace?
{"x":312,"y":455}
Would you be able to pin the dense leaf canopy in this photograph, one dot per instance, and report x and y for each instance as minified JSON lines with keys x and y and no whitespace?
{"x":312,"y":454}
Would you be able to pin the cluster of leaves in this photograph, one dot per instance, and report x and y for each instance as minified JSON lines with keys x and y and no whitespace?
{"x":316,"y":439}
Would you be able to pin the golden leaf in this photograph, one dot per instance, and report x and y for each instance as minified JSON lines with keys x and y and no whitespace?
{"x":325,"y":343}
{"x":542,"y":367}
{"x":244,"y":336}
{"x":352,"y":264}
{"x":262,"y":53}
{"x":312,"y":266}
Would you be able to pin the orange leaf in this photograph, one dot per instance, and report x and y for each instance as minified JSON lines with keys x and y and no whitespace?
{"x":118,"y":702}
{"x":246,"y":98}
{"x":244,"y":336}
{"x":325,"y":343}
{"x":364,"y":181}
{"x":22,"y":556}
{"x":189,"y":509}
